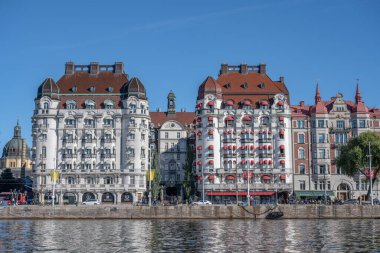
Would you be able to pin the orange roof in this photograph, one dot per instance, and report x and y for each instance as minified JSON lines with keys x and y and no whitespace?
{"x":159,"y":118}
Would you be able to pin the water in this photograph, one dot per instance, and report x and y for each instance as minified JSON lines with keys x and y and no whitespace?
{"x":189,"y":235}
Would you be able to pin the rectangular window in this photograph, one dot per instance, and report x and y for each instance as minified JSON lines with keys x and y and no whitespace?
{"x":301,"y":138}
{"x":178,"y":156}
{"x":314,"y":138}
{"x":300,"y":124}
{"x":322,"y":169}
{"x":132,"y":180}
{"x":321,"y":138}
{"x":322,"y":153}
{"x":321,"y":123}
{"x":143,"y":137}
{"x":362,"y":123}
{"x":166,"y":146}
{"x":315,"y":185}
{"x":328,"y":185}
{"x":166,"y":135}
{"x":302,"y":185}
{"x":141,"y":181}
{"x":340,"y":124}
{"x":178,"y":135}
{"x":354,"y":124}
{"x":43,"y":155}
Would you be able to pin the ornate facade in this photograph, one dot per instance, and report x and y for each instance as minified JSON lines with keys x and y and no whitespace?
{"x":92,"y":126}
{"x":243,"y":135}
{"x":318,"y":132}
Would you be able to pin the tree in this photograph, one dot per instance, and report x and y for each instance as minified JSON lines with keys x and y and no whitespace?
{"x":155,"y":184}
{"x":188,"y":182}
{"x":354,"y":156}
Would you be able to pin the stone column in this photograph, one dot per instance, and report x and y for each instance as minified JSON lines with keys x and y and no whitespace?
{"x":118,"y":198}
{"x":60,"y":199}
{"x":79,"y":198}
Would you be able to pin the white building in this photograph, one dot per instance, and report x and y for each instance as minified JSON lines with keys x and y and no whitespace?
{"x":243,"y":135}
{"x":92,"y":125}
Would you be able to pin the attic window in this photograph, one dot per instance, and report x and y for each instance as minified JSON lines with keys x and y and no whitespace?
{"x":228,"y":86}
{"x":261,"y":85}
{"x":244,"y":85}
{"x":110,"y":89}
{"x":92,"y":88}
{"x":74,"y":89}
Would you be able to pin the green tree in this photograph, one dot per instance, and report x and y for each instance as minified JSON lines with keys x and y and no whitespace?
{"x":189,"y":182}
{"x":354,"y":156}
{"x":155,"y":184}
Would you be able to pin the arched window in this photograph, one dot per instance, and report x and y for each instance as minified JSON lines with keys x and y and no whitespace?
{"x":302,"y":169}
{"x":109,"y":104}
{"x":89,"y":122}
{"x":108,"y":180}
{"x":90,"y":180}
{"x":46,"y":105}
{"x":89,"y":104}
{"x":301,"y":153}
{"x":108,"y":122}
{"x":301,"y":138}
{"x":264,"y":121}
{"x":71,"y":104}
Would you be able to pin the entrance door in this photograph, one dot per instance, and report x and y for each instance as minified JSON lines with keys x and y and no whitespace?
{"x":343,"y":191}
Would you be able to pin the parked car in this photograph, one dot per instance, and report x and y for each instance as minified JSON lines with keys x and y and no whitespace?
{"x":350,"y":202}
{"x":206,"y":202}
{"x":91,"y":202}
{"x":243,"y":203}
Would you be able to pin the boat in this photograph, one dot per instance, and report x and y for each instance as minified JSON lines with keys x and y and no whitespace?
{"x":274,"y":215}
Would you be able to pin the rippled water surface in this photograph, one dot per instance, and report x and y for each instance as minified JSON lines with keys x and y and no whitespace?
{"x":190,"y":235}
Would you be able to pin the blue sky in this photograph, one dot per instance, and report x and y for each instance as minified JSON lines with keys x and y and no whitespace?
{"x":173,"y":44}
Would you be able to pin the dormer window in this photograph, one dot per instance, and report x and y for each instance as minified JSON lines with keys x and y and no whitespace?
{"x":108,"y":104}
{"x":246,"y":105}
{"x":244,"y":85}
{"x":46,"y":105}
{"x":110,"y":89}
{"x":264,"y":104}
{"x":71,"y":104}
{"x":89,"y":104}
{"x":228,"y":104}
{"x":74,"y":89}
{"x":92,"y":88}
{"x":261,"y":85}
{"x":228,"y":86}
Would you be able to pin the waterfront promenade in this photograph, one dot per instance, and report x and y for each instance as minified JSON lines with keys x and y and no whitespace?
{"x":190,"y":212}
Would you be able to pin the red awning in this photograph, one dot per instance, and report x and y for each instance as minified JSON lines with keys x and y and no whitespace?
{"x":252,"y":147}
{"x":261,"y":131}
{"x":281,"y":118}
{"x":282,"y":146}
{"x":210,"y":132}
{"x":211,"y":147}
{"x":230,"y":177}
{"x":229,"y":147}
{"x":229,"y":118}
{"x":243,"y":147}
{"x":199,"y":162}
{"x":210,"y":118}
{"x":261,"y":162}
{"x":229,"y":103}
{"x":252,"y":162}
{"x":240,"y":193}
{"x":199,"y":133}
{"x":280,"y":102}
{"x":247,"y":118}
{"x":225,"y":132}
{"x":270,"y":131}
{"x":211,"y":162}
{"x":264,"y":102}
{"x":246,"y":102}
{"x":243,"y":162}
{"x":265,"y":177}
{"x":229,"y":132}
{"x":282,"y":161}
{"x":281,"y":131}
{"x":261,"y":147}
{"x":270,"y":162}
{"x":199,"y":105}
{"x":247,"y":175}
{"x":265,"y":162}
{"x":199,"y":177}
{"x":210,"y":103}
{"x":225,"y":147}
{"x":252,"y":132}
{"x":269,"y":147}
{"x":265,"y":147}
{"x":199,"y":147}
{"x":282,"y":177}
{"x":265,"y":131}
{"x":234,"y":147}
{"x":242,"y":131}
{"x":199,"y":119}
{"x":211,"y":177}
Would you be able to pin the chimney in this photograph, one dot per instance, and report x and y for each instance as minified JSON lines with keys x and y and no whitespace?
{"x":94,"y":68}
{"x":243,"y":69}
{"x":302,"y":103}
{"x":224,"y":69}
{"x":262,"y":69}
{"x":118,"y":68}
{"x":69,"y":68}
{"x":282,"y":79}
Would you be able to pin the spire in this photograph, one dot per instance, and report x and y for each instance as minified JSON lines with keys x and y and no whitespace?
{"x":17,"y":131}
{"x":358,"y":97}
{"x":171,"y":102}
{"x":317,"y":95}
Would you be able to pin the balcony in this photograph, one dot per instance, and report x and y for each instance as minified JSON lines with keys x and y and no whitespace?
{"x":229,"y":140}
{"x":107,"y":140}
{"x":88,"y":155}
{"x":69,"y":141}
{"x":69,"y":126}
{"x":229,"y":155}
{"x":263,"y":140}
{"x":89,"y":140}
{"x":107,"y":156}
{"x":65,"y":156}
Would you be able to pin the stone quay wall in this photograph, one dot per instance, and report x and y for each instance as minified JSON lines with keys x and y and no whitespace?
{"x":189,"y":212}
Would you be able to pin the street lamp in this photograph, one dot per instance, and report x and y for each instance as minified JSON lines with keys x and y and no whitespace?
{"x":370,"y":172}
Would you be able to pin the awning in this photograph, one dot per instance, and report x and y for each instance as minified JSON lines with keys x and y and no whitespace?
{"x":199,"y":119}
{"x":246,"y":102}
{"x":199,"y":147}
{"x":281,"y":118}
{"x":211,"y":162}
{"x":230,"y":177}
{"x":252,"y":162}
{"x":199,"y":162}
{"x":264,"y":102}
{"x":282,"y":177}
{"x":225,"y":147}
{"x":211,"y":147}
{"x":211,"y":103}
{"x":247,"y":175}
{"x":229,"y":118}
{"x":281,"y":132}
{"x":265,"y":177}
{"x":282,"y":146}
{"x":229,"y":103}
{"x":280,"y":102}
{"x":225,"y":132}
{"x":210,"y":118}
{"x":247,"y":118}
{"x":243,"y":162}
{"x":282,"y":161}
{"x":243,"y":147}
{"x":210,"y":132}
{"x":199,"y":133}
{"x":252,"y":147}
{"x":241,"y":193}
{"x":313,"y":193}
{"x":211,"y":177}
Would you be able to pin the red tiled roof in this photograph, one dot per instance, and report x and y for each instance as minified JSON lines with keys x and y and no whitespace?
{"x":159,"y":118}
